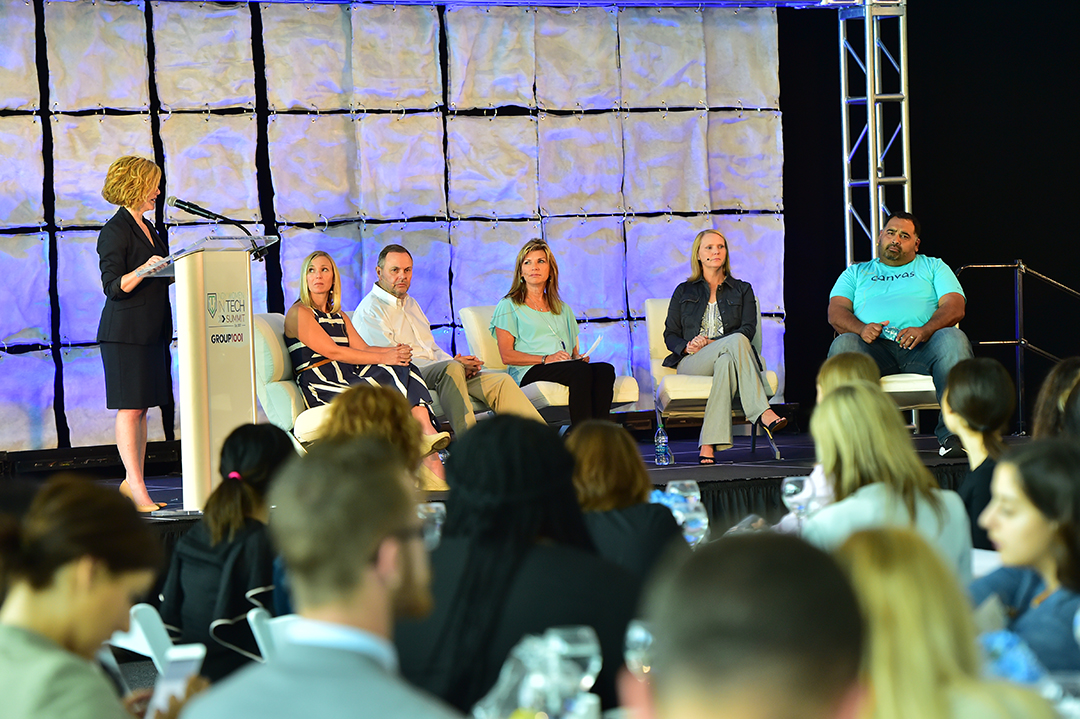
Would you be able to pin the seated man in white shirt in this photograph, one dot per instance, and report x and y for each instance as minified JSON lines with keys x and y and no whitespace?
{"x":356,"y":561}
{"x":388,"y":315}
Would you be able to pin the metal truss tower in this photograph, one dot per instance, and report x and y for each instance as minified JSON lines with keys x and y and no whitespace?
{"x":874,"y":112}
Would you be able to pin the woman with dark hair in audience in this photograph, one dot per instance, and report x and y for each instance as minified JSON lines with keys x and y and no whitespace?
{"x":1050,"y":404}
{"x":613,"y":490}
{"x":538,"y":336}
{"x":515,"y":558}
{"x":73,"y":566}
{"x":978,"y":401}
{"x":329,"y":356}
{"x":223,"y":566}
{"x":878,"y":480}
{"x":921,"y":659}
{"x":1034,"y":522}
{"x":711,"y":321}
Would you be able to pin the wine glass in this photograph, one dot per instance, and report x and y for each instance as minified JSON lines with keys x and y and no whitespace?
{"x":687,"y":488}
{"x":579,"y":648}
{"x":636,"y":651}
{"x":433,"y":515}
{"x":798,"y":493}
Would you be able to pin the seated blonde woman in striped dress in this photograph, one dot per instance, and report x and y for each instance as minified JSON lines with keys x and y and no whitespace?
{"x":329,"y":356}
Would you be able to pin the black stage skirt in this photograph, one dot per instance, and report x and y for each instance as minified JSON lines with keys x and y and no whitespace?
{"x":137,"y":376}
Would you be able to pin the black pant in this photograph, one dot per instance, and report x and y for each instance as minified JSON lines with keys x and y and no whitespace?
{"x":592,"y":386}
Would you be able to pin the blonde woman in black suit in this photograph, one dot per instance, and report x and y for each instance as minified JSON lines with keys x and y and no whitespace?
{"x":136,"y":322}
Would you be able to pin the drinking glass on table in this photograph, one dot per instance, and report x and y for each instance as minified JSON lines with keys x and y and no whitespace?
{"x":433,"y":515}
{"x":636,"y":651}
{"x":798,"y":495}
{"x":579,"y":646}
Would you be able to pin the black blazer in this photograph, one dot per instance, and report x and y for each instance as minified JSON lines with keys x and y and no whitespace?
{"x":735,"y":300}
{"x":142,"y":316}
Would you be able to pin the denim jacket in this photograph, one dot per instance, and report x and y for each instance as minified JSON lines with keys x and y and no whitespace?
{"x":735,"y":300}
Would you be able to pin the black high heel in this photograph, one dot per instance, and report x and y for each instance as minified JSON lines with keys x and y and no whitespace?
{"x":778,"y":424}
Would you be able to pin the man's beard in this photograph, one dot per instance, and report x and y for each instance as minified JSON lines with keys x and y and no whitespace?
{"x":413,"y":599}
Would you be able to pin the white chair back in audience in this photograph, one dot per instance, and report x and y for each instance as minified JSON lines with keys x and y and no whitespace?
{"x":147,"y":635}
{"x":268,"y":631}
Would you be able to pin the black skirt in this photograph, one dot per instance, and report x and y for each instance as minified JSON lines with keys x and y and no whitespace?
{"x":137,"y":376}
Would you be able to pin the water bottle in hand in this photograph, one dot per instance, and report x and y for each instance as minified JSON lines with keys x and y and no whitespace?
{"x":663,"y":451}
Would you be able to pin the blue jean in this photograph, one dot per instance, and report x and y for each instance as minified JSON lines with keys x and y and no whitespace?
{"x":936,"y":357}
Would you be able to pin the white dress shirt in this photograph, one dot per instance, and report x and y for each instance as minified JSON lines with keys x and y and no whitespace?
{"x":383,"y":319}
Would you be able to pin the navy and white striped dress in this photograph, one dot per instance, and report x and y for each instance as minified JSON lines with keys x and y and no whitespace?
{"x":321,"y":384}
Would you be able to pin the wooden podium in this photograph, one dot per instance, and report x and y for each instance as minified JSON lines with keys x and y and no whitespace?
{"x":216,"y":352}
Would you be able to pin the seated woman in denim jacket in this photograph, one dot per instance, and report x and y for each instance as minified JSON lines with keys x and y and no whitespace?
{"x":1034,"y":521}
{"x":711,"y":321}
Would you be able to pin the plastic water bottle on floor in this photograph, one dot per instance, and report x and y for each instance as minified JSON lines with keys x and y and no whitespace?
{"x":663,"y":451}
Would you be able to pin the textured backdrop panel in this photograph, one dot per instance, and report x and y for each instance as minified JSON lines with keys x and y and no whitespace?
{"x":429,"y":245}
{"x":491,"y":56}
{"x":22,"y":173}
{"x":402,"y":166}
{"x":202,"y":56}
{"x":342,"y":242}
{"x":592,"y":268}
{"x":83,"y":149}
{"x":395,"y":57}
{"x":482,"y":259}
{"x":78,"y":284}
{"x":307,"y":52}
{"x":492,"y":166}
{"x":756,"y":249}
{"x":746,"y":160}
{"x":666,"y":162}
{"x":313,"y":161}
{"x":210,"y":160}
{"x":26,"y":318}
{"x":27,"y":420}
{"x":97,"y":55}
{"x":614,"y":344}
{"x":662,"y":54}
{"x":577,"y":63}
{"x":658,"y":256}
{"x":581,"y":164}
{"x":18,"y":73}
{"x":741,"y":57}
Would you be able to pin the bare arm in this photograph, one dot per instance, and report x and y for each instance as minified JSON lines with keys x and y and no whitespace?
{"x":842,"y":318}
{"x":951,"y":309}
{"x":311,"y":333}
{"x":511,"y":356}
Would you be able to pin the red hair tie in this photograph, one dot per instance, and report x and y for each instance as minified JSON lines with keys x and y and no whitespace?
{"x":236,"y":476}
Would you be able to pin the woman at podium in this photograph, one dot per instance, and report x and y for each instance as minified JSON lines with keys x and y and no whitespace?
{"x":136,"y":322}
{"x":329,"y":356}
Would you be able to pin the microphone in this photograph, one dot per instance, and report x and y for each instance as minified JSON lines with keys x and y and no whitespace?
{"x":194,"y":209}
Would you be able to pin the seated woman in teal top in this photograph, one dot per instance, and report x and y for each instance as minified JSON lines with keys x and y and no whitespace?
{"x":538,"y":336}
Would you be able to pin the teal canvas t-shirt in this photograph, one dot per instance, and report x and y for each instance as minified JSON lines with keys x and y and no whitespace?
{"x":906,"y":296}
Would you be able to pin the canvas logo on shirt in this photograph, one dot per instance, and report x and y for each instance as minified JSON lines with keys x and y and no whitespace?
{"x":883,"y":278}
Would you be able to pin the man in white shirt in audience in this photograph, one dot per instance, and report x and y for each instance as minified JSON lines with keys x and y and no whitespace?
{"x":388,"y":315}
{"x":755,"y":626}
{"x":345,"y":522}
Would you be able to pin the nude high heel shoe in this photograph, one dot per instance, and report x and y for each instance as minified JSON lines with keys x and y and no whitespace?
{"x":125,"y":489}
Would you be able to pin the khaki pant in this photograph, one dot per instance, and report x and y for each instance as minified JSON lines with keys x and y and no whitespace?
{"x":496,"y":390}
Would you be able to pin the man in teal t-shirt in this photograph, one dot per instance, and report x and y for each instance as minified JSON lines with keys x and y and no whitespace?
{"x":901,"y":309}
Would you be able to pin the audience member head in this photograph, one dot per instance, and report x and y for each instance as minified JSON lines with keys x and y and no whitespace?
{"x":859,"y":439}
{"x":696,"y":270}
{"x":1033,"y":517}
{"x":536,"y":250}
{"x":75,"y":563}
{"x":608,"y":470}
{"x":375,"y":411}
{"x":753,"y":625}
{"x":920,"y":632}
{"x":843,"y":368}
{"x":979,"y":400}
{"x":1071,"y":421}
{"x":130,"y":181}
{"x":1050,"y":404}
{"x":345,"y":524}
{"x":250,"y":456}
{"x":319,"y":257}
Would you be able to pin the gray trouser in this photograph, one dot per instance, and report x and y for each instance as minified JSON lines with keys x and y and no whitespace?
{"x":733,"y":365}
{"x":497,"y":390}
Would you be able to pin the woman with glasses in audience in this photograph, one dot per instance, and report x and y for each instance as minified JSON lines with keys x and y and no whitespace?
{"x":921,"y":659}
{"x":978,"y":401}
{"x":711,"y":321}
{"x":329,"y":356}
{"x":1033,"y":520}
{"x":878,"y":480}
{"x":538,"y":336}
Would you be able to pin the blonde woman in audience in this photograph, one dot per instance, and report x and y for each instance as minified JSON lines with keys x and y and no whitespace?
{"x":878,"y":480}
{"x":73,"y":566}
{"x":381,"y":412}
{"x":613,"y":490}
{"x":844,"y":368}
{"x":921,"y":660}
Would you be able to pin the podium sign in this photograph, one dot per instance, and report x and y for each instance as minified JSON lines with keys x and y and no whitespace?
{"x":216,"y":354}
